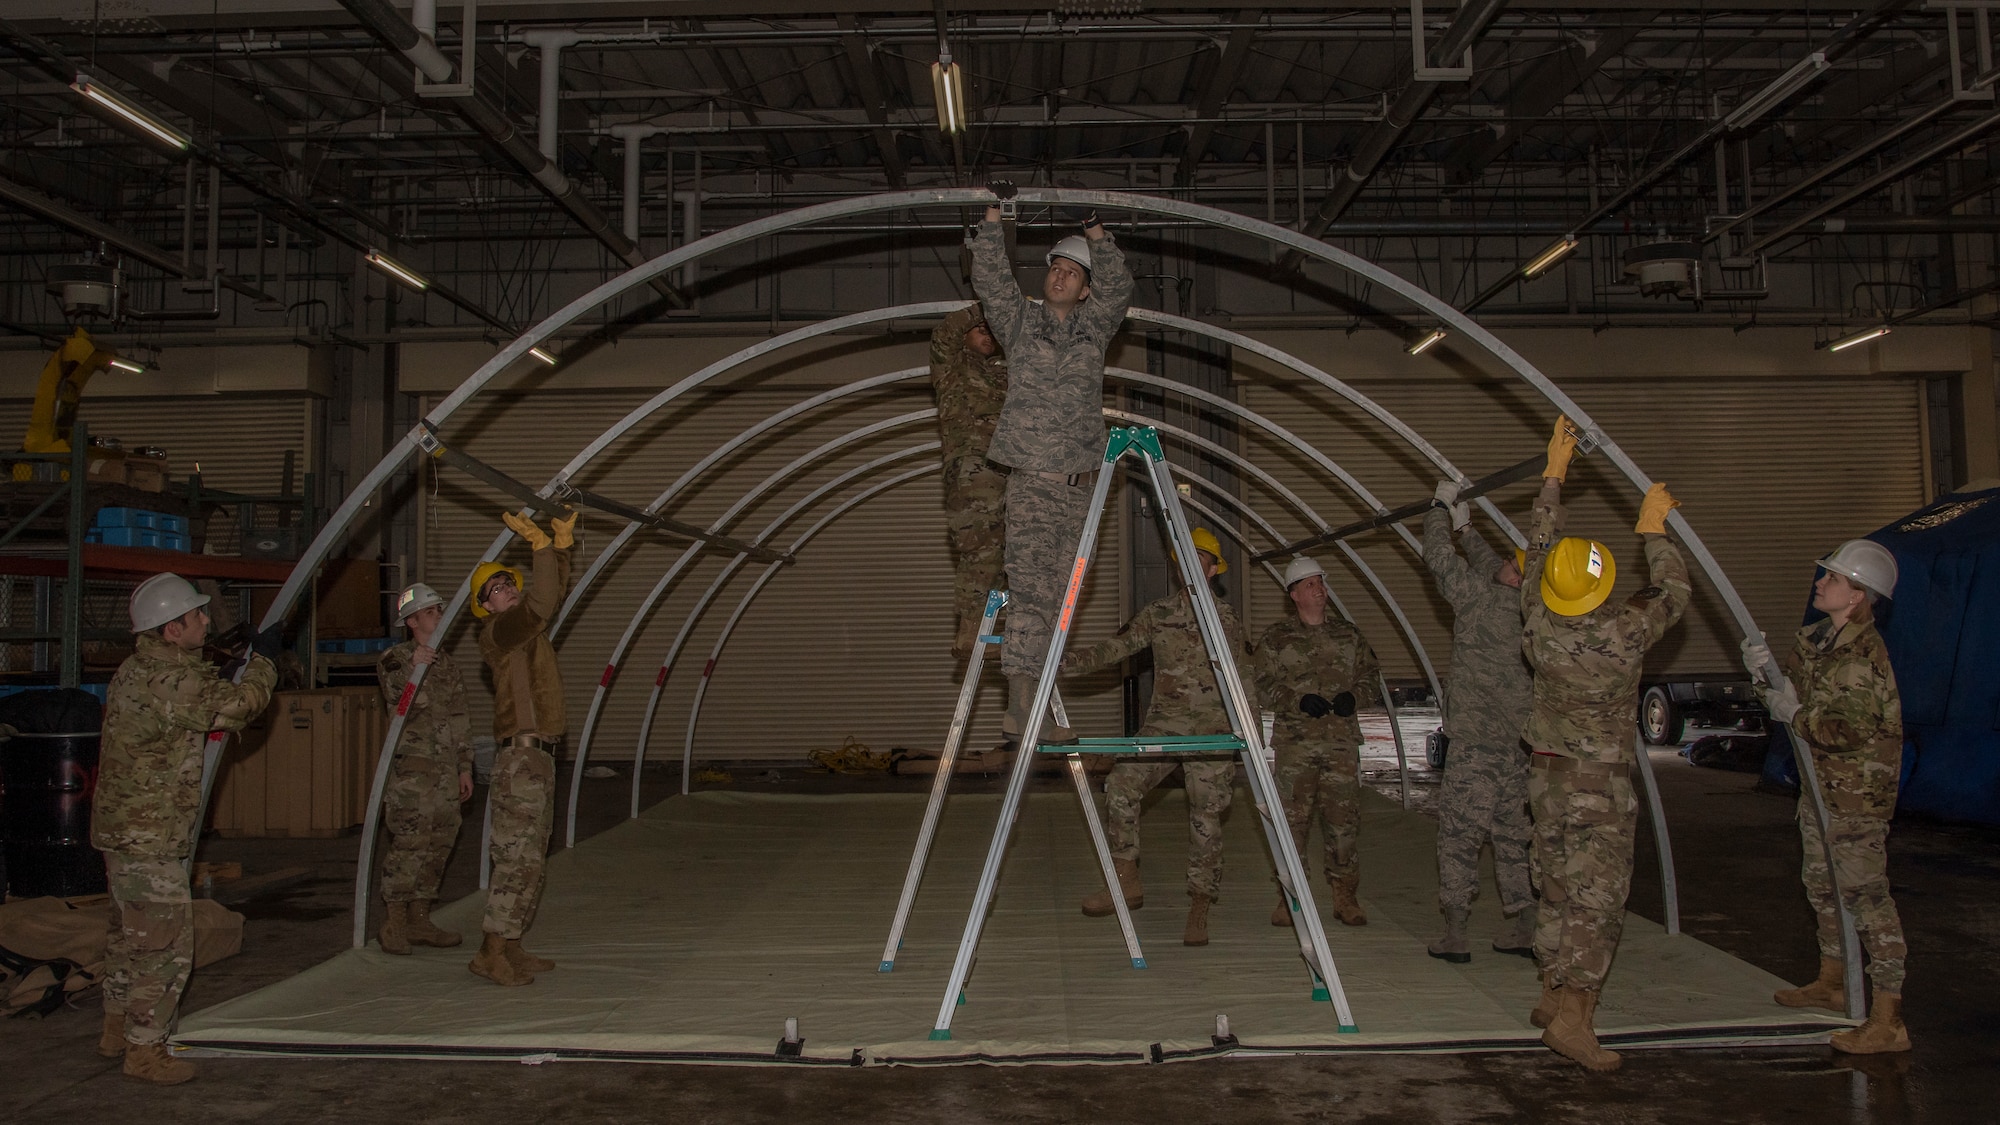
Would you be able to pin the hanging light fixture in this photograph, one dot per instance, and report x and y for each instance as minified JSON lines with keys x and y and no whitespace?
{"x":948,"y":92}
{"x":1853,"y":338}
{"x":123,"y":364}
{"x":397,"y":270}
{"x":544,"y":356}
{"x":1424,"y":345}
{"x":129,"y":113}
{"x":1548,"y":258}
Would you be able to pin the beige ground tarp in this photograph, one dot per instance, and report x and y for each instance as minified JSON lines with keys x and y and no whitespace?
{"x":692,"y":933}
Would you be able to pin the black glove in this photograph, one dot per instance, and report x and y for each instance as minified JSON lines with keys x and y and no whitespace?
{"x":1343,"y":704}
{"x":1084,"y":214}
{"x":269,"y":643}
{"x":1317,"y":706}
{"x":1002,"y":189}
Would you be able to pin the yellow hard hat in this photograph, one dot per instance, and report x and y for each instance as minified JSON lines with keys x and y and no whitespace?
{"x":1520,"y":560}
{"x":1205,"y":540}
{"x":1577,"y":576}
{"x":484,"y":573}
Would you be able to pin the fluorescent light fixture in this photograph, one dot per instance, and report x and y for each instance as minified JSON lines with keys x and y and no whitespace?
{"x":1548,"y":258}
{"x":948,"y":91}
{"x":397,"y":270}
{"x":1781,"y":88}
{"x":129,"y":113}
{"x":545,"y":357}
{"x":123,"y":364}
{"x":1853,"y":338}
{"x":1423,"y":345}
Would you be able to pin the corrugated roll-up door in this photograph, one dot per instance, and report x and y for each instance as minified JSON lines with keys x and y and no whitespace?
{"x":852,"y":640}
{"x":1772,"y":472}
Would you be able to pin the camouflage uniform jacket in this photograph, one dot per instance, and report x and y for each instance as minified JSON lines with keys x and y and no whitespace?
{"x":1850,"y":712}
{"x":1054,"y":418}
{"x":527,"y":685}
{"x":1186,"y":697}
{"x":1295,"y":659}
{"x":971,"y":388}
{"x":438,"y":726}
{"x":164,"y":701}
{"x":1490,"y":689}
{"x":1587,"y":667}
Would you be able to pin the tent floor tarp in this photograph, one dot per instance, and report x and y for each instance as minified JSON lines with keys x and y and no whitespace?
{"x":692,"y":933}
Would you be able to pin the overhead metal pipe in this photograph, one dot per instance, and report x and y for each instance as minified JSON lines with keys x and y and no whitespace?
{"x":387,"y":24}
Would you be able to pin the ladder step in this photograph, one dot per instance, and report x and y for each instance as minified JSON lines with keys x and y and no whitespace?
{"x":1157,"y":744}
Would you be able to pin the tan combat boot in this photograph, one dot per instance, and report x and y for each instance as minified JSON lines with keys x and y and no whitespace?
{"x":425,"y":932}
{"x":395,"y":932}
{"x":152,"y":1062}
{"x":1346,"y":907}
{"x":1883,"y":1033}
{"x":491,"y":962}
{"x":1545,"y":1008}
{"x":1453,"y":946}
{"x":1099,"y":904}
{"x":1572,"y":1035}
{"x":1197,"y":923}
{"x":1281,"y":914}
{"x":1518,"y":937}
{"x":1021,"y":701}
{"x":1829,"y":991}
{"x":523,"y":960}
{"x":111,"y":1043}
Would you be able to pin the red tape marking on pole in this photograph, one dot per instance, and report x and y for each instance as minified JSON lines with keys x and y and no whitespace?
{"x":1069,"y":598}
{"x":708,"y":669}
{"x":605,"y":679}
{"x":403,"y":704}
{"x":661,"y":679}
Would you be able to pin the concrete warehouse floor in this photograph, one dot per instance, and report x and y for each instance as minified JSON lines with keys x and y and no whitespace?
{"x":1738,"y":854}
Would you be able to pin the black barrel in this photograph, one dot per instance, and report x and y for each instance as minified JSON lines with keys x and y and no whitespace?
{"x":46,"y":785}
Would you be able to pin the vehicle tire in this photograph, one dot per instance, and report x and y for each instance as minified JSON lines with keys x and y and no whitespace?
{"x":1660,"y":718}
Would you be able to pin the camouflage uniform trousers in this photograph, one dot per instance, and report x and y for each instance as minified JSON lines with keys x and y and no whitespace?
{"x":1485,"y":794}
{"x":1317,"y":782}
{"x":1582,"y":865}
{"x":1861,"y":860}
{"x":1044,"y":519}
{"x":422,"y":813}
{"x":1209,"y":784}
{"x":523,"y":797}
{"x":151,"y":949}
{"x":975,"y":505}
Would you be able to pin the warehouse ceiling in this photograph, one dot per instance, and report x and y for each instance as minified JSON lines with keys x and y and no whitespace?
{"x":1846,"y":141}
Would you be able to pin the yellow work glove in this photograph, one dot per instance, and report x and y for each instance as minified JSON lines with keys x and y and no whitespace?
{"x":1562,"y":446}
{"x":565,"y":530}
{"x":535,"y":537}
{"x":1654,"y":508}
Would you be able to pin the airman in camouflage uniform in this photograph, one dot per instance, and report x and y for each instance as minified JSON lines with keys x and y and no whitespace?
{"x":1186,"y":700}
{"x":431,"y":776}
{"x":1845,"y":706}
{"x":1485,"y":793}
{"x":529,"y":719}
{"x":969,"y":378}
{"x":1051,"y":431}
{"x":1314,"y":675}
{"x":163,"y":702}
{"x":1582,"y":730}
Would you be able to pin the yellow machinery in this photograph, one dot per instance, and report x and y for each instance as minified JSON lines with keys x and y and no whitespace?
{"x":69,"y":369}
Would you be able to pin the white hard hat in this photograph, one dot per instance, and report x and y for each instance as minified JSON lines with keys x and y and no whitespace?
{"x":1865,"y":561}
{"x":1302,"y":568}
{"x":415,"y":600}
{"x":163,"y":598}
{"x":1076,"y":248}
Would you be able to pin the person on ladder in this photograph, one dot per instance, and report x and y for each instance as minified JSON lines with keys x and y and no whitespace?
{"x":1051,"y":430}
{"x":431,"y":778}
{"x":1314,"y":671}
{"x":1841,"y":697}
{"x":1485,"y":792}
{"x":1586,"y":653}
{"x":1186,"y":700}
{"x":528,"y":722}
{"x":969,"y":379}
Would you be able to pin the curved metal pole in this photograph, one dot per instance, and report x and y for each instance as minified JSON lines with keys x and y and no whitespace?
{"x":770,"y":572}
{"x":687,"y":557}
{"x":1465,"y":327}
